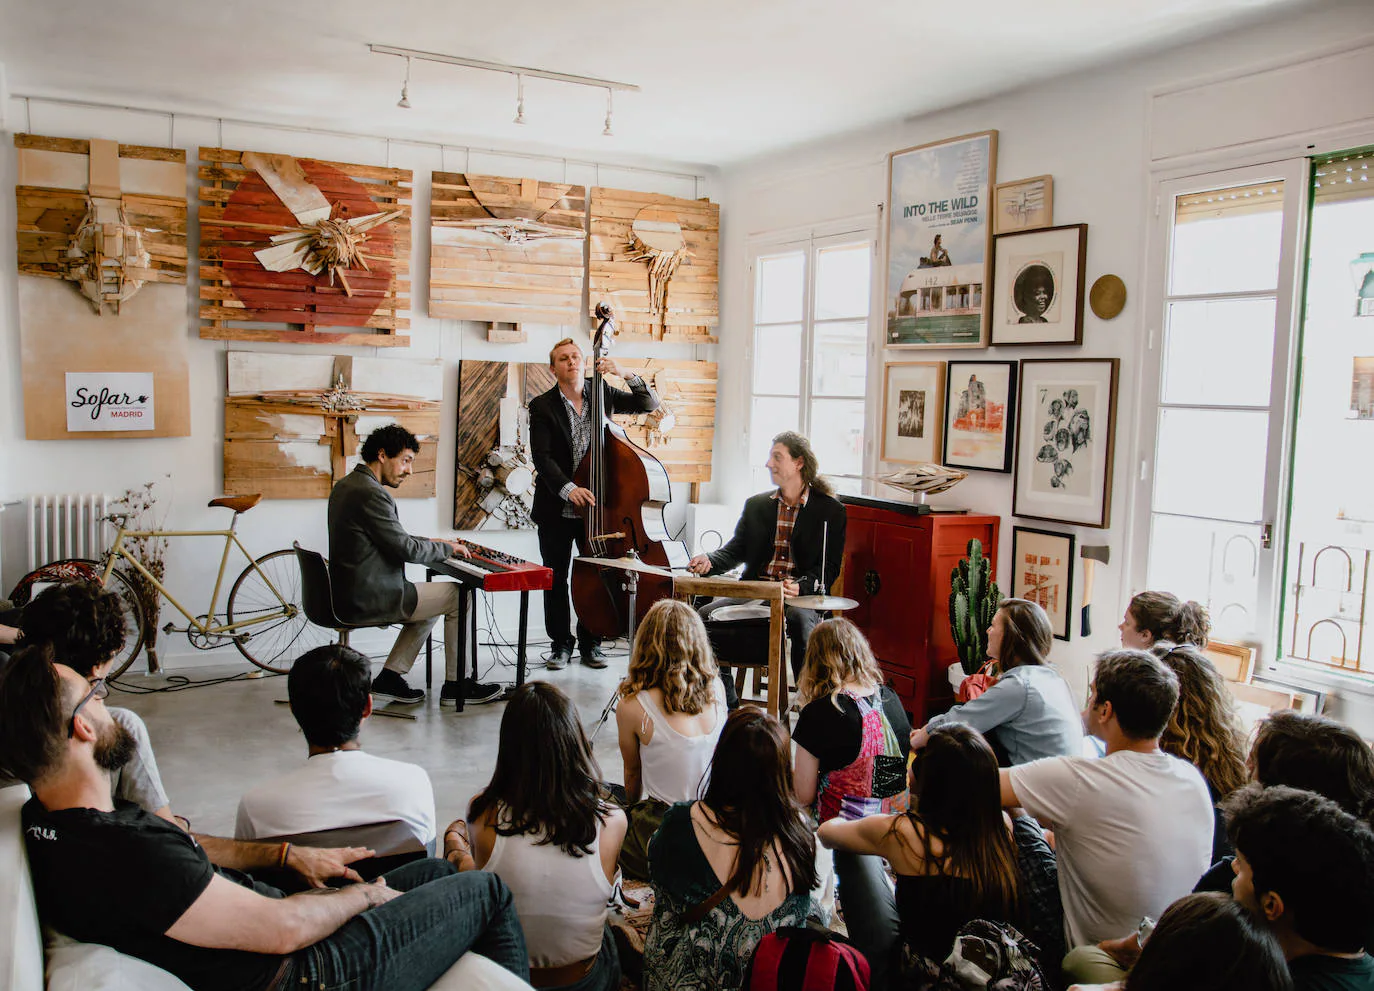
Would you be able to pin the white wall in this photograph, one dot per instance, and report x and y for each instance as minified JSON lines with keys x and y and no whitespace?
{"x":189,"y":470}
{"x":1091,"y":131}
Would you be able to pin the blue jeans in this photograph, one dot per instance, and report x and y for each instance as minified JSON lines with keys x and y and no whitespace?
{"x":411,"y":941}
{"x":870,"y":913}
{"x":605,"y":973}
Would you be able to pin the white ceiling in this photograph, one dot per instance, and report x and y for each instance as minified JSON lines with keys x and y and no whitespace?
{"x":722,"y":80}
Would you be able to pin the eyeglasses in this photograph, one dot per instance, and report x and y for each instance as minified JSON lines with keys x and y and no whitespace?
{"x":99,"y":690}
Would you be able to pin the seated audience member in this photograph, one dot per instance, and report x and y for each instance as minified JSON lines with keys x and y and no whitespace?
{"x":1030,"y":712}
{"x":672,"y":709}
{"x":1155,"y":616}
{"x":85,"y":625}
{"x":10,"y":633}
{"x":543,"y":826}
{"x":1311,"y":753}
{"x":955,"y":857}
{"x":1207,"y":941}
{"x":732,"y":867}
{"x":1133,"y":829}
{"x":852,"y":734}
{"x":106,"y":871}
{"x":339,"y":785}
{"x":1306,"y":866}
{"x":1204,"y":729}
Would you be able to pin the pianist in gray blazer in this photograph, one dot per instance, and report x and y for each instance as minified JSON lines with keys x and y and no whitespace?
{"x":368,"y":552}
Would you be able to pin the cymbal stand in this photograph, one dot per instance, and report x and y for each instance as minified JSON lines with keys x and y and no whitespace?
{"x":631,"y":587}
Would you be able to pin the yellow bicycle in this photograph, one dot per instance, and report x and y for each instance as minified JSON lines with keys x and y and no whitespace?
{"x":262,"y":615}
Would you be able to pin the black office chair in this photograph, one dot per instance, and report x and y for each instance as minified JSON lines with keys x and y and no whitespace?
{"x":317,"y":597}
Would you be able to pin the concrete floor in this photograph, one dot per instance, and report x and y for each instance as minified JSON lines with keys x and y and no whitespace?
{"x":215,"y":742}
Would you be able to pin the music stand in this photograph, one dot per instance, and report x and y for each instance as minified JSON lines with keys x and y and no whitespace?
{"x":771,"y":592}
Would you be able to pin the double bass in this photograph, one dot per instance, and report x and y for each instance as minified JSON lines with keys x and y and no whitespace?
{"x":631,"y":488}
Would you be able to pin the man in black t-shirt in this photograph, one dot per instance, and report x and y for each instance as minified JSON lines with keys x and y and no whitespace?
{"x":1306,"y":866}
{"x":105,"y":871}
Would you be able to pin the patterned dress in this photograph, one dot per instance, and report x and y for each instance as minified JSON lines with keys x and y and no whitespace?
{"x":713,"y":954}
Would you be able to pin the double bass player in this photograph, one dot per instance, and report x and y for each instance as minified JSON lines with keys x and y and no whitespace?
{"x":561,"y":428}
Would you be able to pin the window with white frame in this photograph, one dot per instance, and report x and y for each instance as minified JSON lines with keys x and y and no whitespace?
{"x":812,"y":300}
{"x":1258,"y":411}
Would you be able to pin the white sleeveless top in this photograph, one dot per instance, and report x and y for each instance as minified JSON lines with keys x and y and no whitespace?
{"x":674,"y":767}
{"x":561,"y":900}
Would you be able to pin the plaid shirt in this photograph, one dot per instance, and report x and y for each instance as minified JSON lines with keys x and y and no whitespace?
{"x":780,"y":568}
{"x":581,"y":437}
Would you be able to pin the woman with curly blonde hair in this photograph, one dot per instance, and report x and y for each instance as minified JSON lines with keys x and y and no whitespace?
{"x":1204,"y":729}
{"x":672,"y":709}
{"x":852,"y":734}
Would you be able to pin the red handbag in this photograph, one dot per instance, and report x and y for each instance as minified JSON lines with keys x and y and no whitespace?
{"x":977,"y":683}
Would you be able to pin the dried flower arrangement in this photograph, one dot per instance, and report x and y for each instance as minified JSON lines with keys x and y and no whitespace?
{"x":141,"y":506}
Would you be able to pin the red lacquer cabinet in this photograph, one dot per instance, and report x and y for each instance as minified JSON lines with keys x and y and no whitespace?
{"x":897,"y":563}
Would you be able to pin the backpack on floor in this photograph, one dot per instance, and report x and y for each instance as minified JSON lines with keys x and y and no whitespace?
{"x":796,"y":959}
{"x":992,"y":956}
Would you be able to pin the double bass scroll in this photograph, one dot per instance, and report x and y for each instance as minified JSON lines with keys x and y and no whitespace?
{"x":631,"y":489}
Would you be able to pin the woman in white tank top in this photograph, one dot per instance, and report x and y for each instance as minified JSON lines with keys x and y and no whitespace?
{"x":543,"y":827}
{"x":671,"y":712}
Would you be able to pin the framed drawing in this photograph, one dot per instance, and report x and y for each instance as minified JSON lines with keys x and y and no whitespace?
{"x":913,"y":410}
{"x":939,"y":242}
{"x":980,"y":413}
{"x":1023,"y":205}
{"x":1042,"y":572}
{"x":1038,"y":290}
{"x":1066,"y":437}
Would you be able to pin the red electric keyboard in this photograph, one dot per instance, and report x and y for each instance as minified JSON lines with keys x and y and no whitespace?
{"x":496,"y":571}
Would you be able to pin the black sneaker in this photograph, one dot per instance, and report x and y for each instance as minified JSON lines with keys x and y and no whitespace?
{"x":476,"y":692}
{"x":593,"y":657}
{"x":448,"y":694}
{"x":391,"y":687}
{"x":559,"y":659}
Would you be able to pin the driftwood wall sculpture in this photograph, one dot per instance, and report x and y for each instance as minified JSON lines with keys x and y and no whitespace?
{"x":303,"y":251}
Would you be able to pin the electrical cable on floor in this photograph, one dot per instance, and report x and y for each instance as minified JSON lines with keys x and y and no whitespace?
{"x":181,"y":683}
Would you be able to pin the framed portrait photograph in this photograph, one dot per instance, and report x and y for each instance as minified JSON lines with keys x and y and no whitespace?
{"x":1038,"y":286}
{"x":1023,"y":204}
{"x":939,"y":242}
{"x":1042,"y":572}
{"x":1065,"y":440}
{"x":913,"y":410}
{"x":980,"y":413}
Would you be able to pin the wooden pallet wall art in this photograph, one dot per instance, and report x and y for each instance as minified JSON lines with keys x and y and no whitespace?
{"x":681,"y":432}
{"x":655,"y":258}
{"x":101,"y":251}
{"x":491,"y":457}
{"x":294,"y":423}
{"x":506,"y":250}
{"x":303,"y":251}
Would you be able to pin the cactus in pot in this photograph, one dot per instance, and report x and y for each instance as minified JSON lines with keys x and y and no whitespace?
{"x":973,"y":600}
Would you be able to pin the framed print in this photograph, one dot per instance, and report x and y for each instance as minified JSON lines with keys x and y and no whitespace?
{"x":1023,"y":205}
{"x":1038,"y":290}
{"x":1042,"y":572}
{"x":1065,"y":440}
{"x":939,"y":242}
{"x":913,"y":410}
{"x":980,"y":413}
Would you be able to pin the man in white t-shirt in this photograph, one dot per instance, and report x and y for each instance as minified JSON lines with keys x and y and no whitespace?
{"x":339,"y":785}
{"x":1133,"y":830}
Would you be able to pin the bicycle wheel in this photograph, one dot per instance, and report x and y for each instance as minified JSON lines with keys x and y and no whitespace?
{"x":276,"y":642}
{"x":78,"y":569}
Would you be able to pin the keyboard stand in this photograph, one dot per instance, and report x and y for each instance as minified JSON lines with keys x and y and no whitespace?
{"x":467,"y":623}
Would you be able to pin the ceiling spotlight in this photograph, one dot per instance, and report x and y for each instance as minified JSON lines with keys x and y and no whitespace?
{"x":519,"y":98}
{"x":610,"y":109}
{"x":404,"y":101}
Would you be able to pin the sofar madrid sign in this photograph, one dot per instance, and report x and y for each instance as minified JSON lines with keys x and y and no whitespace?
{"x":109,"y":401}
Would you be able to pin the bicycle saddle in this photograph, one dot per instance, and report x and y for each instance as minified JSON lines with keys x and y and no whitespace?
{"x":239,"y":504}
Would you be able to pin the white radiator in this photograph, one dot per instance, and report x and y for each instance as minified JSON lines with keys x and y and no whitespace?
{"x":63,"y":526}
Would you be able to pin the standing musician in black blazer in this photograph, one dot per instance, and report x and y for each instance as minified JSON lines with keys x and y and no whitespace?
{"x":560,"y":433}
{"x":780,"y":534}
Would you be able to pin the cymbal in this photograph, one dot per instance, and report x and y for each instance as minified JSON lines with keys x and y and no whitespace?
{"x":627,"y":564}
{"x":824,"y":602}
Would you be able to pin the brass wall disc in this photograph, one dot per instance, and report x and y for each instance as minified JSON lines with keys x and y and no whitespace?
{"x":1108,"y":296}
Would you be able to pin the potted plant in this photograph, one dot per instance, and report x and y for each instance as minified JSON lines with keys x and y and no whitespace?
{"x":973,"y":600}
